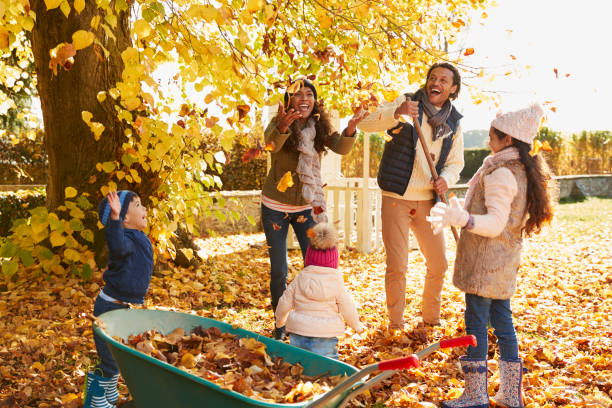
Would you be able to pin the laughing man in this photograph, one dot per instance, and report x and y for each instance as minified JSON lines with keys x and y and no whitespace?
{"x":408,"y":190}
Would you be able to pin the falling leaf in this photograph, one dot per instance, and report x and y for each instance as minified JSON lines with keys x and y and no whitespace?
{"x":243,"y":110}
{"x":556,"y":71}
{"x":311,"y":233}
{"x":275,"y":226}
{"x":468,"y":51}
{"x":539,"y":146}
{"x":390,"y":95}
{"x":250,"y":154}
{"x":285,"y":182}
{"x":184,"y":110}
{"x":317,"y":210}
{"x":301,"y":219}
{"x":295,"y":86}
{"x":269,"y":147}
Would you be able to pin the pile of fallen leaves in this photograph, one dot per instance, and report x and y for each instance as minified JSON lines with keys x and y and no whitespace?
{"x":235,"y":363}
{"x":561,"y":310}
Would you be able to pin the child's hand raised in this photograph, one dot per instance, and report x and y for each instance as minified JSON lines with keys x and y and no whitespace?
{"x":114,"y":203}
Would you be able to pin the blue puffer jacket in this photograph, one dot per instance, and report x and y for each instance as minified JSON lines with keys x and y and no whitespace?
{"x":130,"y":263}
{"x":395,"y":167}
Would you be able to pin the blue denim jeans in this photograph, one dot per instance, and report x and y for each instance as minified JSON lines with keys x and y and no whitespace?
{"x":107,"y":364}
{"x":325,"y":346}
{"x":276,"y":227}
{"x":478,"y":312}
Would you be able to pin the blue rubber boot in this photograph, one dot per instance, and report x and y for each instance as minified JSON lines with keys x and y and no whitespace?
{"x":95,"y":396}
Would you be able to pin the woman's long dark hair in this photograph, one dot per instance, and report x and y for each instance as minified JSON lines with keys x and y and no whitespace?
{"x":323,"y":130}
{"x":539,"y":200}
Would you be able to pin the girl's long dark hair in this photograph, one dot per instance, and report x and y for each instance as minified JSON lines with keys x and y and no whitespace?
{"x":539,"y":199}
{"x":323,"y":130}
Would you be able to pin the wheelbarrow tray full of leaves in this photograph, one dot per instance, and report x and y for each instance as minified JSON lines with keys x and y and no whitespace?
{"x":155,"y":383}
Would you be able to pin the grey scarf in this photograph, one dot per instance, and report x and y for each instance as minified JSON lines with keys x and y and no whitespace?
{"x":309,"y":172}
{"x":436,"y":118}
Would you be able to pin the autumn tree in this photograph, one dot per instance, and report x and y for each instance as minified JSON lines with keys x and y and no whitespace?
{"x":113,"y":118}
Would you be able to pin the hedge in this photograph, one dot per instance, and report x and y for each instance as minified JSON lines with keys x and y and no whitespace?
{"x":473,"y":158}
{"x":15,"y":204}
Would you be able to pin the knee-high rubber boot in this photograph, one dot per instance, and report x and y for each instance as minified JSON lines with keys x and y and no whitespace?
{"x":475,"y":394}
{"x":510,"y":392}
{"x":95,"y":396}
{"x":112,"y":393}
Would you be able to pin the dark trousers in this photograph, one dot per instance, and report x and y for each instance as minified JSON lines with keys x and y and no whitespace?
{"x":276,"y":227}
{"x":107,"y":364}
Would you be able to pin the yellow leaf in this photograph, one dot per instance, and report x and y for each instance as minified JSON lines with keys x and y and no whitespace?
{"x":108,"y":166}
{"x":51,"y":4}
{"x":79,"y":5}
{"x":68,"y":398}
{"x":70,"y":192}
{"x":97,"y":128}
{"x":254,"y":5}
{"x":37,"y":366}
{"x":132,"y":103}
{"x":65,"y":7}
{"x":390,"y":95}
{"x":142,"y":28}
{"x":57,"y":239}
{"x":101,"y":96}
{"x":72,"y":255}
{"x":86,"y":116}
{"x":188,"y":252}
{"x":120,"y":175}
{"x":95,"y":22}
{"x":285,"y":182}
{"x":4,"y":38}
{"x":82,"y":39}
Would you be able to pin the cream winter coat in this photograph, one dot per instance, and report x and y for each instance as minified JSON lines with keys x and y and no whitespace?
{"x":314,"y":304}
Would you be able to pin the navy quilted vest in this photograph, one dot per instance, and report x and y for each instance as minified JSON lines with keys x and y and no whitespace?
{"x":398,"y":156}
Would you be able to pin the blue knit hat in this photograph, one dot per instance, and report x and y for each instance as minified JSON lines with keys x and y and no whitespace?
{"x":104,"y":210}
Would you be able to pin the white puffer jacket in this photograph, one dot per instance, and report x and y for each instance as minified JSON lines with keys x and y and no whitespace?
{"x":315,"y":303}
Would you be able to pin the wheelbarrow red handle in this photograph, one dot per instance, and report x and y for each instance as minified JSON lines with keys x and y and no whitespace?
{"x":399,"y":363}
{"x":459,"y":342}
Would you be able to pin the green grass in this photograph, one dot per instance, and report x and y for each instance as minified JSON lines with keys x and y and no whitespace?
{"x":590,"y":211}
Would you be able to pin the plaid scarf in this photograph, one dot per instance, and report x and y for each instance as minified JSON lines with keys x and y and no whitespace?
{"x":309,"y":172}
{"x":435,"y":118}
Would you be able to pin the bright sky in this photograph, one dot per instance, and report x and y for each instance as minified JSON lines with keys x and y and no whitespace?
{"x":571,"y":36}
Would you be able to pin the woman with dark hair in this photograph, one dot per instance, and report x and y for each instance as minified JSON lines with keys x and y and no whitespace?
{"x":300,"y":133}
{"x":507,"y":199}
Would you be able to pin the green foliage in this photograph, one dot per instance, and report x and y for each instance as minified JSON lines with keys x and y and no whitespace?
{"x":352,"y":163}
{"x":14,"y":205}
{"x":53,"y":242}
{"x":473,"y":159}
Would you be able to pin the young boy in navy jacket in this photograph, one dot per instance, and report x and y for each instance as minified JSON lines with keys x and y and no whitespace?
{"x":127,"y":278}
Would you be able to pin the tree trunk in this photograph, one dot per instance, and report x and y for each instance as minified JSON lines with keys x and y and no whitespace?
{"x":73,"y":151}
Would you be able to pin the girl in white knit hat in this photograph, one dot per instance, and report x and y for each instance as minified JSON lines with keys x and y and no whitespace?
{"x":506,"y":199}
{"x":314,"y":304}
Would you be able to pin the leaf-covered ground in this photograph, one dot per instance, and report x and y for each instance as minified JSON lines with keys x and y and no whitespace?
{"x":562,"y":312}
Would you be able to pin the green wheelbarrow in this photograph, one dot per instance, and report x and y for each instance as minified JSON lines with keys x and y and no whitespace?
{"x":154,"y":383}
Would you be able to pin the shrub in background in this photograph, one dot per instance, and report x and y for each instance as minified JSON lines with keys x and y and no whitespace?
{"x":23,"y":162}
{"x":15,"y":204}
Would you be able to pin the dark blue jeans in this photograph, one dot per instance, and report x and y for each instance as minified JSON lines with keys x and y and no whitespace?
{"x":107,"y":364}
{"x":478,"y":312}
{"x":276,"y":226}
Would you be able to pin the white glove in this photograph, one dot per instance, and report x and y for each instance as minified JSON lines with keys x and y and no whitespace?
{"x":442,"y":215}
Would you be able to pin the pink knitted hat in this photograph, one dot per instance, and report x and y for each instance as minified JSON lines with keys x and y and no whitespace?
{"x":323,"y":249}
{"x":522,"y":124}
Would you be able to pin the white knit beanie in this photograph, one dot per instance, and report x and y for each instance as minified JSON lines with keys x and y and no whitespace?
{"x":522,"y":124}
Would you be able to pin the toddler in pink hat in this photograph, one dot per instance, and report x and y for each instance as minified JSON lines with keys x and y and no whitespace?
{"x":315,"y":305}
